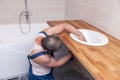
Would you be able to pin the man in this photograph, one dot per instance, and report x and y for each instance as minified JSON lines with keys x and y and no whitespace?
{"x":45,"y":44}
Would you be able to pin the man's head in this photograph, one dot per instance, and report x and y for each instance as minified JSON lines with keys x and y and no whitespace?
{"x":51,"y":43}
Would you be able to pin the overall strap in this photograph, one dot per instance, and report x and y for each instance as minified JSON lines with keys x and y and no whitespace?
{"x":37,"y":55}
{"x":44,"y":33}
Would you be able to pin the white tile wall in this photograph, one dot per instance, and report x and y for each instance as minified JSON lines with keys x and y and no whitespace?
{"x":111,"y":5}
{"x":104,"y":14}
{"x":42,"y":10}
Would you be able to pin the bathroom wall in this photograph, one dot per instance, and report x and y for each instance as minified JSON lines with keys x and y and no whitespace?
{"x":42,"y":10}
{"x":104,"y":14}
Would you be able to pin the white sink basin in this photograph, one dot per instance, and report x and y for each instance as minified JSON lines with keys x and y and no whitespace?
{"x":93,"y":38}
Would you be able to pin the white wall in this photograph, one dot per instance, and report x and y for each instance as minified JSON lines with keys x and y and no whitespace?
{"x":104,"y":14}
{"x":42,"y":10}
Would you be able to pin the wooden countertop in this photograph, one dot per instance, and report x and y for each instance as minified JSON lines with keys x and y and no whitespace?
{"x":102,"y":62}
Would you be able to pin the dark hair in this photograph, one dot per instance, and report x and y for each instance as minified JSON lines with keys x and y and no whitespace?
{"x":51,"y":43}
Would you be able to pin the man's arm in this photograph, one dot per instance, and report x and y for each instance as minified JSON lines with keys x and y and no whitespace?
{"x":57,"y":63}
{"x":61,"y":27}
{"x":49,"y":61}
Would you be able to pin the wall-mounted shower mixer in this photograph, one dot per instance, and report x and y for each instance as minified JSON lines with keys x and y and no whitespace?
{"x":25,"y":16}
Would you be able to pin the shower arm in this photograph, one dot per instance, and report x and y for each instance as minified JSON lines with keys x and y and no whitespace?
{"x":26,"y":8}
{"x":27,"y":12}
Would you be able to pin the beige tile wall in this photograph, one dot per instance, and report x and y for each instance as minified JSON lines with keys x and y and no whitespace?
{"x":42,"y":10}
{"x":104,"y":14}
